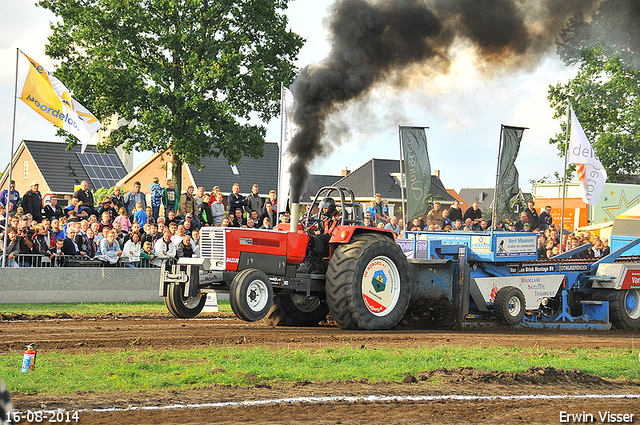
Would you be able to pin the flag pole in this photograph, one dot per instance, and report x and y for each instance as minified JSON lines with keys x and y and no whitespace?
{"x":564,"y":179}
{"x":495,"y":189}
{"x":279,"y":210}
{"x":13,"y":137}
{"x":404,"y":209}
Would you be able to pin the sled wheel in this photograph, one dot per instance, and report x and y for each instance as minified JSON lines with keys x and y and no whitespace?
{"x":251,"y":295}
{"x":292,"y":309}
{"x":624,"y":308}
{"x":367,"y":283}
{"x":180,"y":306}
{"x":509,"y":306}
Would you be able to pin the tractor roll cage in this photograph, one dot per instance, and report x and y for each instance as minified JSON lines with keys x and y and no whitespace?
{"x":351,"y":211}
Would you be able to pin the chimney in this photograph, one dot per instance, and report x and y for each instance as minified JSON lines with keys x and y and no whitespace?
{"x":436,"y":173}
{"x":345,"y":172}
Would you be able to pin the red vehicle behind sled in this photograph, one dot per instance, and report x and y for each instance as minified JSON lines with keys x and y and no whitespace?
{"x":366,"y":284}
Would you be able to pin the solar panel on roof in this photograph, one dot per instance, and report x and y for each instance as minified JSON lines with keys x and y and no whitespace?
{"x":104,"y":170}
{"x":112,"y":159}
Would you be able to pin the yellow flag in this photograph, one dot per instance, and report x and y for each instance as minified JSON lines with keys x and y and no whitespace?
{"x":46,"y":95}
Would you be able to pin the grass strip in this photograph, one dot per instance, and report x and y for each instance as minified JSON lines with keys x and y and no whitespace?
{"x":152,"y":370}
{"x":94,"y":308}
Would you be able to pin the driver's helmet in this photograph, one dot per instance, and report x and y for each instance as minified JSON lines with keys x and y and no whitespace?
{"x":328,"y":203}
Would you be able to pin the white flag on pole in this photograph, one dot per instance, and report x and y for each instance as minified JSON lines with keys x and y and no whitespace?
{"x":288,"y":130}
{"x":591,"y":173}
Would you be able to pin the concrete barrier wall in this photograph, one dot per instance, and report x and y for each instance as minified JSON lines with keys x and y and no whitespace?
{"x":76,"y":284}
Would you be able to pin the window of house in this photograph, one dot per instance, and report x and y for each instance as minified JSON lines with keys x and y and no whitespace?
{"x":25,"y":170}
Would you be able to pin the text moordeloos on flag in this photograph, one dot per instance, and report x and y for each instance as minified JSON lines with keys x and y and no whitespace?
{"x":46,"y":95}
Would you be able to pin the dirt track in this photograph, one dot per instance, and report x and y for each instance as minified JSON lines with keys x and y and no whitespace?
{"x":113,"y":332}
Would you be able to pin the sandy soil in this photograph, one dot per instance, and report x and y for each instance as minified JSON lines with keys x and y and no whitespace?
{"x":436,"y":394}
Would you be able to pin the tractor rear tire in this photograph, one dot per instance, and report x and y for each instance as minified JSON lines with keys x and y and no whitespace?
{"x":251,"y":295}
{"x":509,"y":306}
{"x":624,"y":307}
{"x":180,"y":306}
{"x":292,"y":309}
{"x":367,"y":283}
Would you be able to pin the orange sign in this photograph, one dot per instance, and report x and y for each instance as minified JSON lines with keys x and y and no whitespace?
{"x":576,"y":212}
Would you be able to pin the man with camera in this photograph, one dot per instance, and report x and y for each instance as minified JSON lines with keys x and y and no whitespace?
{"x":18,"y":244}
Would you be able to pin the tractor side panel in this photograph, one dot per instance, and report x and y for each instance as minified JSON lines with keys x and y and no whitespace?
{"x":534,"y":288}
{"x":623,"y":276}
{"x":270,"y":264}
{"x":296,"y":247}
{"x":253,"y":241}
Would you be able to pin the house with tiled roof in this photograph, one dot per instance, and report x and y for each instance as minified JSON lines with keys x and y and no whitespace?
{"x":214,"y":172}
{"x":60,"y":171}
{"x":217,"y":172}
{"x":456,"y":195}
{"x":315,"y":182}
{"x":383,"y":176}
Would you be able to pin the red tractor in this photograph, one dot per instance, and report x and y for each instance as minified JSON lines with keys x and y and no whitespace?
{"x":366,"y":284}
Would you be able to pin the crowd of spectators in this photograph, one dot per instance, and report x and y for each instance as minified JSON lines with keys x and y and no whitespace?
{"x":549,"y":243}
{"x":122,"y":230}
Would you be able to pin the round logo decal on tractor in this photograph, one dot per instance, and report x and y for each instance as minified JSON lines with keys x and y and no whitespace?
{"x":380,"y":283}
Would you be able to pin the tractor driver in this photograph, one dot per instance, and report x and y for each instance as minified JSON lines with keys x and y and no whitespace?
{"x":319,"y":242}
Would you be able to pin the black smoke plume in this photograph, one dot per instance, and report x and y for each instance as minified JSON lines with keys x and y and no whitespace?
{"x":385,"y":41}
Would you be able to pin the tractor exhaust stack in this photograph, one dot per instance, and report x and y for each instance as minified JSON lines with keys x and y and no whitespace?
{"x":295,"y":213}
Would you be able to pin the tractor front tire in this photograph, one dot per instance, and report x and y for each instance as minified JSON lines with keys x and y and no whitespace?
{"x":293,"y":309}
{"x":509,"y":306}
{"x":251,"y":295}
{"x":367,"y":283}
{"x":180,"y":306}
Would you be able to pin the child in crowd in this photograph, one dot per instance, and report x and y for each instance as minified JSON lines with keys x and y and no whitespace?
{"x":148,"y":234}
{"x":171,"y":218}
{"x":100,"y":236}
{"x":140,"y":216}
{"x":146,"y":254}
{"x":125,"y":223}
{"x":156,"y":199}
{"x":150,"y":218}
{"x":106,"y":221}
{"x":56,"y":253}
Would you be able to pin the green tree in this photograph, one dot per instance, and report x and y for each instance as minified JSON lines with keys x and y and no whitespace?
{"x":605,"y":94}
{"x":184,"y":74}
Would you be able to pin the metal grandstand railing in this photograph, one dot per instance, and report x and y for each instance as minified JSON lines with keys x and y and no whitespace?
{"x":38,"y":260}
